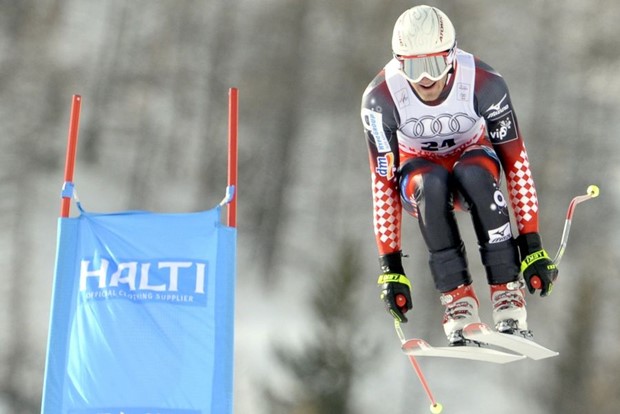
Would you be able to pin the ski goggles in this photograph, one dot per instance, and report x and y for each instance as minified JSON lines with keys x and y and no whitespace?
{"x":433,"y":66}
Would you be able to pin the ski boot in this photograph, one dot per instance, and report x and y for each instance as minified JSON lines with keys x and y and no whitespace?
{"x":509,"y":312}
{"x":461,"y":309}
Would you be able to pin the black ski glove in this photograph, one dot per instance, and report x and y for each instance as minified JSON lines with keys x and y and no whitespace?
{"x":395,"y":287}
{"x":538,"y":270}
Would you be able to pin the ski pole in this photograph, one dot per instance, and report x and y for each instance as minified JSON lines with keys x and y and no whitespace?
{"x":435,"y":407}
{"x":592,"y":192}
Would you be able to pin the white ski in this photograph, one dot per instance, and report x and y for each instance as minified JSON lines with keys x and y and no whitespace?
{"x":420,"y":348}
{"x":484,"y":334}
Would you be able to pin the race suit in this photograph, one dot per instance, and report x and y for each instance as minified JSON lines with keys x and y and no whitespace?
{"x":435,"y":158}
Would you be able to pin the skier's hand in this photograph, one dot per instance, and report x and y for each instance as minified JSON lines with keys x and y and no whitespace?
{"x":538,"y":269}
{"x":396,"y":288}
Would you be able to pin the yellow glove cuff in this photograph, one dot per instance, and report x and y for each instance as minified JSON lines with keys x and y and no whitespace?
{"x":534,"y":257}
{"x":393,"y":278}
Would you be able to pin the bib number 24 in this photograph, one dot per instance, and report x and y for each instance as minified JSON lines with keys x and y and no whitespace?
{"x":438,"y":146}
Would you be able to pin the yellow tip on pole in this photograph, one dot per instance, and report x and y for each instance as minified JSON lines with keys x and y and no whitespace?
{"x":437,"y":408}
{"x":593,"y":191}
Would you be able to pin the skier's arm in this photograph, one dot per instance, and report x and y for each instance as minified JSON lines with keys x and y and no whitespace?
{"x":380,"y":132}
{"x":378,"y":120}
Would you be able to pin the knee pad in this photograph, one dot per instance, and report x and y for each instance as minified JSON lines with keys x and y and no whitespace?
{"x":473,"y":180}
{"x":477,"y":172}
{"x":422,"y":181}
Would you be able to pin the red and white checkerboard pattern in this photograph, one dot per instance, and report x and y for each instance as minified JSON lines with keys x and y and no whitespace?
{"x":387,"y":215}
{"x":522,"y":192}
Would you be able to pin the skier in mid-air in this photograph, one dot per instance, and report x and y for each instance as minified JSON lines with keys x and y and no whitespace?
{"x":440,"y":128}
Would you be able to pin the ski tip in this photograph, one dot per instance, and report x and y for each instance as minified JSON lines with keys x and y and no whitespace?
{"x":413,"y":344}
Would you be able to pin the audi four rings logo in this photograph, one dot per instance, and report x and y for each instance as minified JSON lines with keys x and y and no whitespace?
{"x":441,"y":125}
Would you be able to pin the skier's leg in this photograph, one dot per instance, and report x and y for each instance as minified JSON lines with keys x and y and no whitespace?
{"x":477,"y":176}
{"x":426,"y":190}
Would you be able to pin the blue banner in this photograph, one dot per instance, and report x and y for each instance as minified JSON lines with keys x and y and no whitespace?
{"x":142,"y":315}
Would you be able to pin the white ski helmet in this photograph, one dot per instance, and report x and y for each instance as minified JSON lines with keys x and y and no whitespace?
{"x":424,"y":32}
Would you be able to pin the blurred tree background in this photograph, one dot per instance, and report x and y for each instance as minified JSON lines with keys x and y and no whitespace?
{"x":154,"y":76}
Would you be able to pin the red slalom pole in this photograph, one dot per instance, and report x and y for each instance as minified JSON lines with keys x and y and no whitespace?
{"x":233,"y":122}
{"x":74,"y":126}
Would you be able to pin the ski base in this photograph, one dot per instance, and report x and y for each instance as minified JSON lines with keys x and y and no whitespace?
{"x":420,"y":348}
{"x":484,"y":334}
